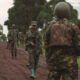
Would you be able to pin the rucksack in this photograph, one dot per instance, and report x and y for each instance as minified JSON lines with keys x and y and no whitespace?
{"x":61,"y":34}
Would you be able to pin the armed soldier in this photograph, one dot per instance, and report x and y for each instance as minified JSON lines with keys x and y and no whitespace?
{"x":33,"y":46}
{"x":13,"y":41}
{"x":61,"y":43}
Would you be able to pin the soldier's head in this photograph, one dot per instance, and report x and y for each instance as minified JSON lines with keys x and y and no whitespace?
{"x":62,"y":10}
{"x":34,"y":25}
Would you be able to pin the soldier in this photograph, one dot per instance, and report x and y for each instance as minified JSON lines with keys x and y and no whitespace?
{"x":62,"y":40}
{"x":21,"y":38}
{"x":33,"y":46}
{"x":13,"y":41}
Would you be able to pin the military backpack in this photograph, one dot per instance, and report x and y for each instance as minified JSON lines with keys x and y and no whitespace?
{"x":61,"y":34}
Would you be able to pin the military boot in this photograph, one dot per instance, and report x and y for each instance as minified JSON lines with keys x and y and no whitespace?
{"x":32,"y":73}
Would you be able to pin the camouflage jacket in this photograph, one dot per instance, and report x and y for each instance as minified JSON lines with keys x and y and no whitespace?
{"x":48,"y":39}
{"x":13,"y":35}
{"x":34,"y":37}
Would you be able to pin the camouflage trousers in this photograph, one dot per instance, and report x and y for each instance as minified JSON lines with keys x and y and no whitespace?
{"x":33,"y":59}
{"x":68,"y":74}
{"x":13,"y":50}
{"x":61,"y":64}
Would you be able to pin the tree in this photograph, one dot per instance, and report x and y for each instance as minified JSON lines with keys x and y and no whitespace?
{"x":46,"y":14}
{"x":23,"y":12}
{"x":1,"y":27}
{"x":74,"y":15}
{"x":79,"y":23}
{"x":2,"y":36}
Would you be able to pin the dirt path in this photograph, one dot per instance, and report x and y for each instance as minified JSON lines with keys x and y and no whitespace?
{"x":16,"y":69}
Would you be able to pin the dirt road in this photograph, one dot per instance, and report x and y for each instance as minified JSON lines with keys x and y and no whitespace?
{"x":16,"y":69}
{"x":11,"y":69}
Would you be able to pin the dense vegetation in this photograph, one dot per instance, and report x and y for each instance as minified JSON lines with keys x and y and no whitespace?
{"x":2,"y":35}
{"x":24,"y":11}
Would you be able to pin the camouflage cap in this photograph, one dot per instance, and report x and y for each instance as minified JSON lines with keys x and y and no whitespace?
{"x":13,"y":25}
{"x":34,"y":23}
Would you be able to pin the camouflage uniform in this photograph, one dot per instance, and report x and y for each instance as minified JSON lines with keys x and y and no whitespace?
{"x":13,"y":41}
{"x":61,"y":63}
{"x":21,"y":38}
{"x":35,"y":37}
{"x":61,"y":60}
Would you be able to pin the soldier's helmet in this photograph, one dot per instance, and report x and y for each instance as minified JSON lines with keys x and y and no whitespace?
{"x":62,"y":10}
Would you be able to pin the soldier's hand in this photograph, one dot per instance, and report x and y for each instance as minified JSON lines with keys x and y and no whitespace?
{"x":37,"y":52}
{"x":32,"y":44}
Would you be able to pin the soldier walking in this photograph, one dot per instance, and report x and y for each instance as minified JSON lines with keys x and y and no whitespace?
{"x":33,"y":46}
{"x":61,"y":45}
{"x":13,"y":41}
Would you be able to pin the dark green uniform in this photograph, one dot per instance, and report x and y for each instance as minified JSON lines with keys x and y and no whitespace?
{"x":21,"y":38}
{"x":13,"y":42}
{"x":61,"y":60}
{"x":35,"y":37}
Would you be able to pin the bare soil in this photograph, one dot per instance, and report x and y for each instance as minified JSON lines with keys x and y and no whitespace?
{"x":16,"y":69}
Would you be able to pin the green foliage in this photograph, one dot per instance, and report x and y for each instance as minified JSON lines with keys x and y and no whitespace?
{"x":3,"y":37}
{"x":1,"y":28}
{"x":78,"y":22}
{"x":7,"y":23}
{"x":74,"y":15}
{"x":1,"y":33}
{"x":23,"y":12}
{"x":45,"y":15}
